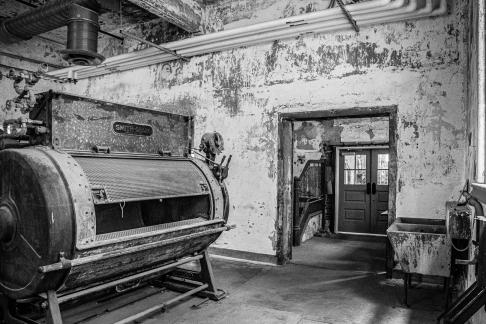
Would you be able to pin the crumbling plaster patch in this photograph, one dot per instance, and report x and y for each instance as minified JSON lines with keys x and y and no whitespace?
{"x":420,"y":66}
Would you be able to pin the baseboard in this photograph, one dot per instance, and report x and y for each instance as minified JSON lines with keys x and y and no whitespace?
{"x":243,"y":255}
{"x":360,"y":237}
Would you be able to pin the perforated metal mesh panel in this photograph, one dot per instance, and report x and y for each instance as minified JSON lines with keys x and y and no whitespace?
{"x":125,"y":179}
{"x":147,"y":229}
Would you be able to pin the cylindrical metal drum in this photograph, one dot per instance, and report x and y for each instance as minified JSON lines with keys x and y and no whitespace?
{"x":71,"y":221}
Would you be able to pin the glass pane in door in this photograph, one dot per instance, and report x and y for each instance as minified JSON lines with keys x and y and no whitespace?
{"x":382,"y":178}
{"x":349,"y":161}
{"x":349,"y":176}
{"x":383,"y":161}
{"x":382,"y":172}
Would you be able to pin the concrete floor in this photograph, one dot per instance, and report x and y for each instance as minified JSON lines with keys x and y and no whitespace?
{"x":329,"y":281}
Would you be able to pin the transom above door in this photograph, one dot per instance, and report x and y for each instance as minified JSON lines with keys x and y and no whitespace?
{"x":363,"y":190}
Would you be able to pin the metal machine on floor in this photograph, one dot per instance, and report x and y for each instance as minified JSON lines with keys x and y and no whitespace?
{"x":97,"y":196}
{"x":474,"y":298}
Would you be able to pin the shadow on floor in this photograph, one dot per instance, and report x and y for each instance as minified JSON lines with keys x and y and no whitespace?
{"x":379,"y":300}
{"x":328,"y":281}
{"x":339,"y":254}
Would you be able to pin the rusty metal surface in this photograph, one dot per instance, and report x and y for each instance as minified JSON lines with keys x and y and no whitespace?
{"x":125,"y":179}
{"x":80,"y":190}
{"x":420,"y":248}
{"x":111,"y":268}
{"x":128,"y":173}
{"x":80,"y":123}
{"x":220,"y":201}
{"x":43,"y":221}
{"x":459,"y":221}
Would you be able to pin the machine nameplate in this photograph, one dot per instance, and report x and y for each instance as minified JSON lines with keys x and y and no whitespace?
{"x":132,"y":129}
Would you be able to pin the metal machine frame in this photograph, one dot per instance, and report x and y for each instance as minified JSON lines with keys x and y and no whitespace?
{"x":69,"y":127}
{"x":202,"y":285}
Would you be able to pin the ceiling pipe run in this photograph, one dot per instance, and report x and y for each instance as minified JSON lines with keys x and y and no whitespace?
{"x":81,"y":18}
{"x":427,"y":8}
{"x":366,"y":14}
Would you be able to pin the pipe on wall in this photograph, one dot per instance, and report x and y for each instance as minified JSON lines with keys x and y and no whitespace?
{"x":432,"y":7}
{"x":81,"y":17}
{"x":366,"y":14}
{"x":481,"y":53}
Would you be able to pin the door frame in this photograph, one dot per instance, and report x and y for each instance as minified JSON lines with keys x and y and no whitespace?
{"x":336,"y":184}
{"x":284,"y":219}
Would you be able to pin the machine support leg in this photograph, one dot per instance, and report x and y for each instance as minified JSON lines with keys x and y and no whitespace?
{"x":447,"y":292}
{"x":8,"y":312}
{"x":389,"y":262}
{"x":461,"y":308}
{"x":207,"y":277}
{"x":464,"y":314}
{"x":463,"y":299}
{"x":183,"y":280}
{"x":53,"y":315}
{"x":406,"y":282}
{"x":137,"y":318}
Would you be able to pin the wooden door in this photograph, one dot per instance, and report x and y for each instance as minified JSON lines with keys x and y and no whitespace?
{"x":363,"y":191}
{"x":379,"y":191}
{"x":354,"y":182}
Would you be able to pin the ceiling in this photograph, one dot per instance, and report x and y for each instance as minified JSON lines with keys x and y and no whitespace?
{"x":109,"y":21}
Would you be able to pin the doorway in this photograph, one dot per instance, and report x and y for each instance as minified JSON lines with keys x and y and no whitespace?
{"x":285,"y":207}
{"x":363,"y":192}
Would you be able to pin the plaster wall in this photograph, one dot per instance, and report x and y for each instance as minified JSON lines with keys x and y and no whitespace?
{"x":309,"y":136}
{"x":36,"y":49}
{"x":419,"y":65}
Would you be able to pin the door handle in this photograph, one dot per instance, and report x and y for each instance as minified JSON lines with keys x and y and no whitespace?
{"x":373,"y":188}
{"x":368,"y":188}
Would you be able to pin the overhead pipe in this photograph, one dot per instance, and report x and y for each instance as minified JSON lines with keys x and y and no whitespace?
{"x":481,"y":122}
{"x":81,"y":18}
{"x":391,"y":12}
{"x":324,"y":27}
{"x":432,"y":7}
{"x":157,"y":61}
{"x":263,"y":27}
{"x":152,"y":58}
{"x":308,"y":18}
{"x":279,"y":34}
{"x":424,"y":9}
{"x":260,"y":28}
{"x":425,"y":6}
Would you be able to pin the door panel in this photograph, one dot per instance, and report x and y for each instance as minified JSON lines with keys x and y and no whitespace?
{"x":363,"y":191}
{"x":354,"y":202}
{"x":379,"y":197}
{"x":355,"y":196}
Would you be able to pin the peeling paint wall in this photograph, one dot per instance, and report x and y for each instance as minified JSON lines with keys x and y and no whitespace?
{"x":420,"y":66}
{"x":310,"y":135}
{"x":43,"y":48}
{"x":36,"y":49}
{"x":226,"y":14}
